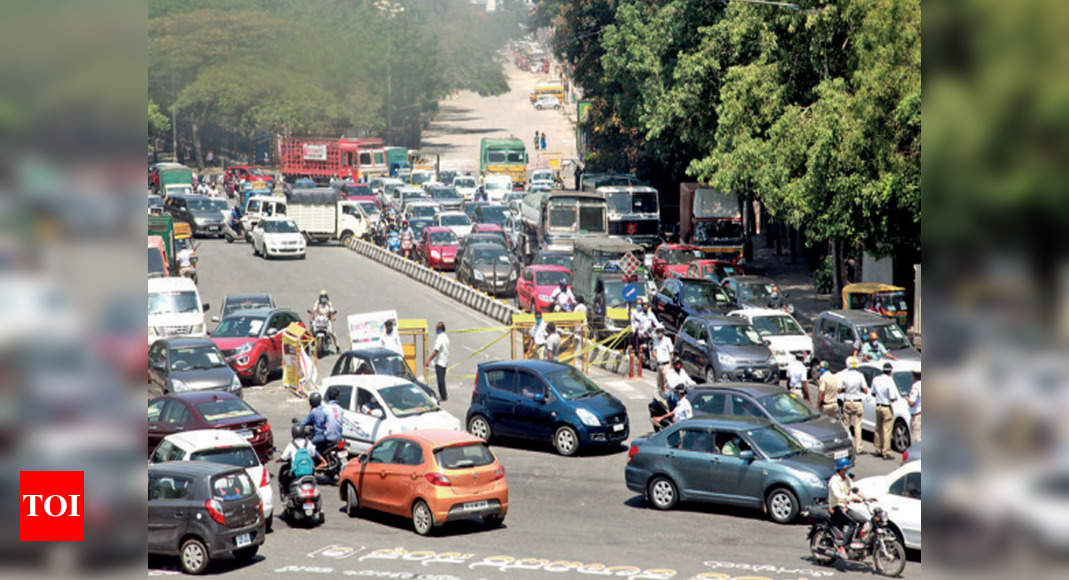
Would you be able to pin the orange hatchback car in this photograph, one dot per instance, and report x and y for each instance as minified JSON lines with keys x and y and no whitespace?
{"x":433,"y":476}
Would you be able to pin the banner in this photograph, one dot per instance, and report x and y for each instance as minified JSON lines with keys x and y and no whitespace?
{"x":315,"y":152}
{"x":365,"y":329}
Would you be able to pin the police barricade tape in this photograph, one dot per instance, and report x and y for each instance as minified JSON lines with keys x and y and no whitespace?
{"x":594,"y":345}
{"x":474,"y":354}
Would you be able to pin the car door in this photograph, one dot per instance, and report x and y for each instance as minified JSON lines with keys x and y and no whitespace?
{"x":534,"y":416}
{"x":686,"y":345}
{"x":372,"y":485}
{"x":361,"y":427}
{"x":845,"y":341}
{"x":691,"y":455}
{"x":733,"y":479}
{"x":155,"y":418}
{"x":174,"y":419}
{"x":501,"y":401}
{"x":168,"y":511}
{"x":272,"y":334}
{"x":903,"y":505}
{"x":525,"y":290}
{"x":402,"y":477}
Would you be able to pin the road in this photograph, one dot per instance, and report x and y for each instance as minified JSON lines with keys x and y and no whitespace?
{"x":565,"y":513}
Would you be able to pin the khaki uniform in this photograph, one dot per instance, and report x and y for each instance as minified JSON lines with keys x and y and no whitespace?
{"x":853,"y":386}
{"x":885,"y":392}
{"x":828,"y":395}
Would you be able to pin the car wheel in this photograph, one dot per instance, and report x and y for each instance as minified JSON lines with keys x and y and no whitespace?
{"x":493,"y":521}
{"x":346,"y":239}
{"x":900,"y":436}
{"x":260,"y":373}
{"x":566,"y":440}
{"x":352,"y":500}
{"x":710,"y":375}
{"x":480,"y":427}
{"x":195,"y":556}
{"x":662,"y":493}
{"x":246,"y":554}
{"x":422,"y":518}
{"x":782,"y":505}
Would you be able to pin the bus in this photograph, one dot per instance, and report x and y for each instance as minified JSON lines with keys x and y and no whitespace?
{"x":504,"y":156}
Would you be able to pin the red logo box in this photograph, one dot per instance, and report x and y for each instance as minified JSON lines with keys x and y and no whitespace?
{"x":51,"y":506}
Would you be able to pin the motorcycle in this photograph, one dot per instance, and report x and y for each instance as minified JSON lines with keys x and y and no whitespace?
{"x":320,"y":325}
{"x":232,"y":230}
{"x":406,"y":246}
{"x":393,"y":241}
{"x":875,"y":536}
{"x":189,"y":271}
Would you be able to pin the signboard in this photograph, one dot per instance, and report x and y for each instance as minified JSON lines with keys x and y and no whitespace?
{"x":315,"y":152}
{"x":630,"y":293}
{"x":365,"y":329}
{"x":629,"y":264}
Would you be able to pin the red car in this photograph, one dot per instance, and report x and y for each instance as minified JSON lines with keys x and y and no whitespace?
{"x":251,"y":341}
{"x":537,"y":283}
{"x":715,"y":270}
{"x":437,"y":248}
{"x":672,"y":260}
{"x":208,"y":410}
{"x":246,"y":172}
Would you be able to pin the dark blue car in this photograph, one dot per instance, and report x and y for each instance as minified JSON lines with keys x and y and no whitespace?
{"x":544,"y":401}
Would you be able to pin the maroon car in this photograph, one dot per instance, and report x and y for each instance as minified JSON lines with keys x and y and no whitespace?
{"x":208,"y":410}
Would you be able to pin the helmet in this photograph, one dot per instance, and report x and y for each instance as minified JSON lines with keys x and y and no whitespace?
{"x":842,"y":463}
{"x":851,"y":362}
{"x":323,"y":293}
{"x":309,"y":431}
{"x":873,"y":335}
{"x":315,"y":399}
{"x":681,"y":388}
{"x":297,"y":431}
{"x":563,"y":282}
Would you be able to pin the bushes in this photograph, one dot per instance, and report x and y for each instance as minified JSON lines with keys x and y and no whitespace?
{"x":823,"y":281}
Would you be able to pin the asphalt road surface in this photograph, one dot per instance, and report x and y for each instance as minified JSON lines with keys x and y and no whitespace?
{"x":568,"y":518}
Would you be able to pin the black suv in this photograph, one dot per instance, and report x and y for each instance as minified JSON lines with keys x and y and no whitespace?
{"x":680,"y":298}
{"x":200,"y":511}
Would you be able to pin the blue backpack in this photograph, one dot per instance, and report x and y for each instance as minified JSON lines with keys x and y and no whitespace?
{"x":302,"y":465}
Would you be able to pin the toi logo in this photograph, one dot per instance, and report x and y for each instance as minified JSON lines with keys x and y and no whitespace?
{"x":51,"y":506}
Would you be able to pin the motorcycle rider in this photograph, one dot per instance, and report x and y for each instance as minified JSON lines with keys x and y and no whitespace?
{"x":324,"y":306}
{"x":642,"y":324}
{"x":562,"y":297}
{"x":840,"y":495}
{"x":299,"y":433}
{"x":333,"y":412}
{"x":317,"y":420}
{"x":408,"y":238}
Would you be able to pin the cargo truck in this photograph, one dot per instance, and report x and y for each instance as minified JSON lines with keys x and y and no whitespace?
{"x":711,"y":218}
{"x":634,"y":213}
{"x":323,"y":160}
{"x":504,"y":156}
{"x":554,"y":220}
{"x":321,"y":214}
{"x":163,"y":226}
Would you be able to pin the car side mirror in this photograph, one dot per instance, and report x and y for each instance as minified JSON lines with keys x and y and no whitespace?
{"x":746,"y":455}
{"x":701,"y":342}
{"x":204,"y":307}
{"x":539,"y":397}
{"x":362,"y":458}
{"x":215,"y":319}
{"x":377,"y":413}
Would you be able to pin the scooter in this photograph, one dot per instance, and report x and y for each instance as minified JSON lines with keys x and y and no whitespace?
{"x":302,"y":501}
{"x":232,"y":230}
{"x":406,"y":246}
{"x":393,"y":241}
{"x":875,"y":537}
{"x":190,"y":271}
{"x":321,"y":329}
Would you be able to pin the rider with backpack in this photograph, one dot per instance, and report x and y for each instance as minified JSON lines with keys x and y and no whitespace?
{"x":300,"y":458}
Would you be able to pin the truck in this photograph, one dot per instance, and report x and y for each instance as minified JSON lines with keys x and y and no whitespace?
{"x":592,"y":181}
{"x":322,"y":214}
{"x":396,"y":159}
{"x":504,"y":156}
{"x":599,"y":279}
{"x":555,"y":219}
{"x":711,"y":218}
{"x":323,"y":160}
{"x":174,"y":181}
{"x":634,"y":213}
{"x":163,"y":226}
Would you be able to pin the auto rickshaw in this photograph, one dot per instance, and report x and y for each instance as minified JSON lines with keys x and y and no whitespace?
{"x":882,"y":299}
{"x":251,"y":188}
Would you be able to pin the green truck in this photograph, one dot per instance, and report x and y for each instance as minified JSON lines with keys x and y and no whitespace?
{"x":163,"y":226}
{"x":596,"y":276}
{"x":174,"y":180}
{"x":396,"y":159}
{"x":504,"y":157}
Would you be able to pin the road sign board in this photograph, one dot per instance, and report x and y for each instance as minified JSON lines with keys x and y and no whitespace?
{"x":630,"y":293}
{"x":629,"y":264}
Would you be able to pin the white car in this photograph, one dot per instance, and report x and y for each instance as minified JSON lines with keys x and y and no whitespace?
{"x":174,"y":308}
{"x":421,"y":176}
{"x":496,"y":186}
{"x":782,"y":333}
{"x":457,"y":221}
{"x":407,"y":194}
{"x":220,"y":446}
{"x":386,"y":189}
{"x":379,"y":405}
{"x":902,"y":373}
{"x":422,"y":208}
{"x":899,"y":494}
{"x":544,"y":175}
{"x":547,"y":102}
{"x":278,"y":236}
{"x":466,"y":186}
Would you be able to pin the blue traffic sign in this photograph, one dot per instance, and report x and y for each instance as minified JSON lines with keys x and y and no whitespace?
{"x":630,"y":293}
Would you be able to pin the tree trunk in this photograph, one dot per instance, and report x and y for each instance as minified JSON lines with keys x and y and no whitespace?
{"x":837,"y":268}
{"x":197,"y":154}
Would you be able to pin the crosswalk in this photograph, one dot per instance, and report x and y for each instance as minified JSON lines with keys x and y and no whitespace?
{"x":635,"y":389}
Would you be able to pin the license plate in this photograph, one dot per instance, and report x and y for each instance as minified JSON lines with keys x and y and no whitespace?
{"x":246,"y":433}
{"x":309,"y":506}
{"x":243,"y":540}
{"x":618,"y":427}
{"x":213,"y":228}
{"x":842,"y":453}
{"x":476,"y":505}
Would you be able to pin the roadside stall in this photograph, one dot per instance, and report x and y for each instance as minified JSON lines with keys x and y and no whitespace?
{"x":299,"y":370}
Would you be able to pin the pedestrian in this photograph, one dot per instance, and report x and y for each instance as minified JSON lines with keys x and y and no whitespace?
{"x":211,"y":157}
{"x":914,"y":400}
{"x":391,"y":340}
{"x":580,"y":305}
{"x":440,"y":356}
{"x":543,"y":141}
{"x":552,"y":343}
{"x":828,"y":391}
{"x":536,"y":141}
{"x":662,"y":353}
{"x":796,"y":374}
{"x":886,"y":392}
{"x":852,"y":386}
{"x":266,"y":158}
{"x":537,"y":335}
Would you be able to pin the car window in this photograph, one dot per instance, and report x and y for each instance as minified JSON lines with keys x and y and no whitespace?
{"x":155,"y":409}
{"x":345,"y":395}
{"x":461,"y":456}
{"x":409,"y":453}
{"x":713,"y":403}
{"x":502,"y":380}
{"x":691,"y":439}
{"x":384,"y":451}
{"x":827,"y":329}
{"x":729,"y":443}
{"x":242,"y":456}
{"x":162,"y":451}
{"x":743,"y":406}
{"x":366,"y":402}
{"x":168,"y":487}
{"x":528,"y":385}
{"x":909,"y":485}
{"x":175,"y":413}
{"x":690,"y":328}
{"x":232,"y":486}
{"x":844,"y":334}
{"x":668,"y":289}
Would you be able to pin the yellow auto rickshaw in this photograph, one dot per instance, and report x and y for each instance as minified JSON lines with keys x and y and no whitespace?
{"x":882,"y":299}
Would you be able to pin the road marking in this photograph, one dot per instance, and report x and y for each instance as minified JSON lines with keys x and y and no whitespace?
{"x":626,"y":390}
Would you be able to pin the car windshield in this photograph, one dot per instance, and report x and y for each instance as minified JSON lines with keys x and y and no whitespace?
{"x":734,"y":335}
{"x":196,"y":204}
{"x":591,"y":219}
{"x":682,"y":256}
{"x":392,"y":364}
{"x":786,"y":408}
{"x":562,"y":217}
{"x":614,"y":293}
{"x":454,"y":220}
{"x":890,"y":335}
{"x":632,"y":202}
{"x":774,"y":442}
{"x":369,"y":207}
{"x":695,"y":294}
{"x":231,"y":305}
{"x":445,"y":193}
{"x":154,"y":201}
{"x":224,"y":409}
{"x":716,"y":273}
{"x":420,"y":177}
{"x":443,"y":238}
{"x":777,"y":325}
{"x":755,"y":290}
{"x":407,"y":400}
{"x":495,"y":156}
{"x":422,"y":210}
{"x":173,"y":302}
{"x":219,"y":204}
{"x":232,"y":486}
{"x":155,"y":261}
{"x":192,"y":358}
{"x":904,"y":382}
{"x":236,"y":456}
{"x":495,"y":185}
{"x":551,"y":278}
{"x":464,"y":182}
{"x":555,"y":259}
{"x":516,"y":156}
{"x":411,"y":195}
{"x":279,"y":227}
{"x":238,"y":325}
{"x":572,"y":384}
{"x":419,"y":223}
{"x":493,"y":214}
{"x":461,"y":456}
{"x":357,"y":189}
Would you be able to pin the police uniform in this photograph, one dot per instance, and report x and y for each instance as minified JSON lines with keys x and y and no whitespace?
{"x":852,"y":385}
{"x":885,"y":391}
{"x":829,"y":394}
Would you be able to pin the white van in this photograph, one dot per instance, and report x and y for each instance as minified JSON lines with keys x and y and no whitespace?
{"x":174,"y":308}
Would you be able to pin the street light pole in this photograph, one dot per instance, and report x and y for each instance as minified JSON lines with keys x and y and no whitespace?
{"x":391,"y":10}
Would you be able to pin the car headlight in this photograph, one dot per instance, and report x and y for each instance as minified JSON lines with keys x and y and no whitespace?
{"x":725,"y":359}
{"x":178,"y":386}
{"x":243,"y":348}
{"x":235,"y":383}
{"x":811,"y":478}
{"x":587,"y":417}
{"x":478,"y":275}
{"x":807,"y":440}
{"x":199,"y":220}
{"x":436,"y":254}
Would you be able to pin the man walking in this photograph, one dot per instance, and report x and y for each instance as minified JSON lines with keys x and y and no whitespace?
{"x":543,"y":141}
{"x":852,"y":386}
{"x":552,"y":342}
{"x":914,"y":400}
{"x":440,"y":356}
{"x":536,"y":141}
{"x":828,"y":391}
{"x":662,"y":353}
{"x":796,"y":374}
{"x":886,"y":392}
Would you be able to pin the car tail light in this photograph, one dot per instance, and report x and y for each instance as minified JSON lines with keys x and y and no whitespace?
{"x":438,"y":479}
{"x":215,"y":510}
{"x":341,"y":445}
{"x":266,"y":479}
{"x":264,"y":427}
{"x":260,"y":506}
{"x":500,"y":473}
{"x":631,"y":452}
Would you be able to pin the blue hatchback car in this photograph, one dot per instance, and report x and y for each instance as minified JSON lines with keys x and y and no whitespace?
{"x":545,"y":401}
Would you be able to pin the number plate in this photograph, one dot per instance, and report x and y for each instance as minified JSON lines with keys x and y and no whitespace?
{"x":213,"y":228}
{"x":243,"y":540}
{"x":246,"y":433}
{"x":476,"y":505}
{"x":618,"y":427}
{"x":841,"y":453}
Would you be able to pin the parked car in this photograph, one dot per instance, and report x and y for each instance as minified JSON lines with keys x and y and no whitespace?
{"x":457,"y":221}
{"x":756,"y":292}
{"x":219,"y":446}
{"x":487,"y":267}
{"x":177,"y":365}
{"x":196,"y":210}
{"x":899,"y":494}
{"x":378,"y":361}
{"x":251,"y":341}
{"x":544,"y":401}
{"x":554,"y":257}
{"x":901,"y":427}
{"x":723,"y":348}
{"x":422,"y":209}
{"x":547,"y":102}
{"x":536,"y":284}
{"x":765,"y":468}
{"x":235,"y":302}
{"x":680,"y":298}
{"x":377,"y":405}
{"x":437,"y":248}
{"x":816,"y":432}
{"x":208,"y":410}
{"x":278,"y":236}
{"x":837,"y":333}
{"x":202,"y":511}
{"x":491,"y":214}
{"x":446,"y":196}
{"x":781,"y":332}
{"x":433,"y":476}
{"x":715,"y":270}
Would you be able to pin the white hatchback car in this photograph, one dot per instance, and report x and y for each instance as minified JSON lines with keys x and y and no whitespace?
{"x":379,"y":405}
{"x":899,"y":494}
{"x":457,"y":221}
{"x":278,"y":236}
{"x":902,"y":373}
{"x":466,"y":186}
{"x":220,"y":446}
{"x":782,"y":333}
